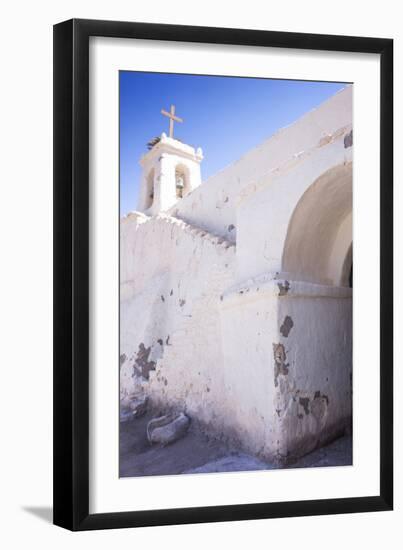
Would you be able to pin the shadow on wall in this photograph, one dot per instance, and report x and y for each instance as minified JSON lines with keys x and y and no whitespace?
{"x":318,"y":244}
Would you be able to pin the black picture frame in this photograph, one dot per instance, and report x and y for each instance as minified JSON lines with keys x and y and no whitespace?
{"x":71,"y":274}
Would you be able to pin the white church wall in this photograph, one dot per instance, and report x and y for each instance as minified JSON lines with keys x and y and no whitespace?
{"x":288,"y":370}
{"x":248,"y":365}
{"x":214,"y":204}
{"x":128,"y":267}
{"x":190,"y":375}
{"x":314,"y":398}
{"x":264,"y":217}
{"x":179,"y":272}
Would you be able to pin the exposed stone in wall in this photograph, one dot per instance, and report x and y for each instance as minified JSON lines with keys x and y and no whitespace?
{"x":286,"y":326}
{"x":284,"y":288}
{"x":348,"y":140}
{"x":143,"y":364}
{"x":280,"y":365}
{"x":304,"y":402}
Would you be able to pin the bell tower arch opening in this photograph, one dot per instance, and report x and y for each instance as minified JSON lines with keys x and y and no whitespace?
{"x":182,"y":183}
{"x":171,"y":170}
{"x":149,"y":198}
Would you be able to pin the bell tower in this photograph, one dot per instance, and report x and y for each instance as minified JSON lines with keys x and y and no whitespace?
{"x":171,"y":170}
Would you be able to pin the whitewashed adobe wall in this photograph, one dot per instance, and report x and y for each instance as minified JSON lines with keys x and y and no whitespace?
{"x":214,"y":205}
{"x":254,"y":339}
{"x":170,"y":304}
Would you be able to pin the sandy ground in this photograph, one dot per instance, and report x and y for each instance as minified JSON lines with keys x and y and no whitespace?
{"x":195,"y":453}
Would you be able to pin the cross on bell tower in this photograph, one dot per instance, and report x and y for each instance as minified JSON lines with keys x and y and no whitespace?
{"x":172,"y":117}
{"x":171,"y":170}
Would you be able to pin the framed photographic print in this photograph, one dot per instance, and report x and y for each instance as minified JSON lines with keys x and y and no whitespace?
{"x":216,"y":356}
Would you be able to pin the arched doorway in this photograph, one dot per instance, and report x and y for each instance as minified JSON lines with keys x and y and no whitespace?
{"x":317,"y":263}
{"x":318,"y":243}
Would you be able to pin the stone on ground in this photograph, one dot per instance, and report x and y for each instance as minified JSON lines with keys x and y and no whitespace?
{"x":139,"y":406}
{"x":167,"y":429}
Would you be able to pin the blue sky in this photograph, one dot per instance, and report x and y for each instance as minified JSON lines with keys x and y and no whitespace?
{"x":225,"y":116}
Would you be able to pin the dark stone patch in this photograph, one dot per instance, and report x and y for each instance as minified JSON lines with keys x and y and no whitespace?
{"x":171,"y":292}
{"x":226,"y":199}
{"x":348,"y":140}
{"x":280,"y":365}
{"x":136,"y":372}
{"x":318,"y":395}
{"x":162,"y":298}
{"x":319,"y":407}
{"x":161,"y":343}
{"x":182,"y":302}
{"x":167,"y":341}
{"x":142,"y":362}
{"x":122,"y":359}
{"x":286,"y":326}
{"x":300,"y":415}
{"x":284,"y":288}
{"x":304,"y":402}
{"x":231,"y":227}
{"x":278,"y":411}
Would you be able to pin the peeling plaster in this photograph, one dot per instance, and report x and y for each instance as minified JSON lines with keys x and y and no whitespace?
{"x":319,"y":408}
{"x":284,"y":288}
{"x":348,"y":140}
{"x":286,"y":326}
{"x":142,"y":361}
{"x":304,"y":402}
{"x":280,"y":365}
{"x":323,"y":396}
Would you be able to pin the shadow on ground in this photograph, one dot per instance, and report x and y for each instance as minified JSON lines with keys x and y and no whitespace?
{"x":139,"y":458}
{"x":196,"y":453}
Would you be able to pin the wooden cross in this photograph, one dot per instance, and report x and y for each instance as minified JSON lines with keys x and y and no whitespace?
{"x":172,"y":118}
